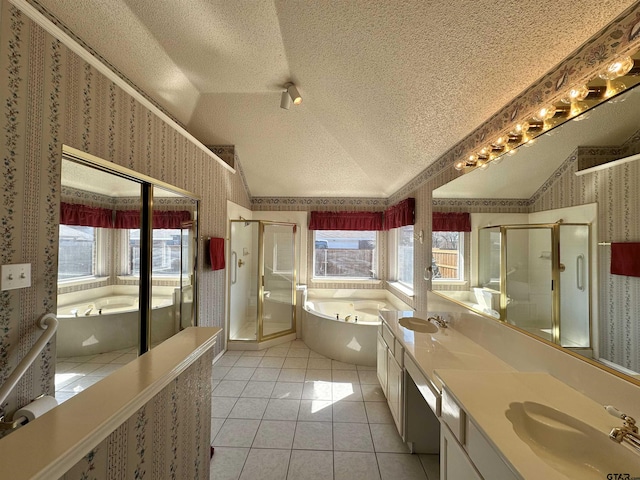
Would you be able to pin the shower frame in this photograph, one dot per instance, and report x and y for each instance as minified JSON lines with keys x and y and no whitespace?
{"x":233,"y":264}
{"x":556,"y":269}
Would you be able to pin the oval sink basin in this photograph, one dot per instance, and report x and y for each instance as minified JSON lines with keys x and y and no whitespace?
{"x":418,"y":325}
{"x":569,"y":445}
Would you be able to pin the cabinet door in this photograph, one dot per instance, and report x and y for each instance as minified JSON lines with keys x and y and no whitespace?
{"x":382,"y":365}
{"x":454,"y":463}
{"x":395,"y":395}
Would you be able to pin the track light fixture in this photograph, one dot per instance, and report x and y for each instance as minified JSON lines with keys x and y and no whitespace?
{"x":289,"y":95}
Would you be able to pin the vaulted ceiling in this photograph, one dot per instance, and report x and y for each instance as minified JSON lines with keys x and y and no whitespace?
{"x":388,"y":86}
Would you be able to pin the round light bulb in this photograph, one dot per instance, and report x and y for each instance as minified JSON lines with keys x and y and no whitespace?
{"x":500,"y":141}
{"x":522,"y":128}
{"x":484,"y":165}
{"x":618,"y":68}
{"x":579,"y":93}
{"x":473,"y":159}
{"x":459,"y":165}
{"x":545,"y":113}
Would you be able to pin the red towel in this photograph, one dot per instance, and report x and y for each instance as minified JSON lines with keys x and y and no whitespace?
{"x":625,"y":259}
{"x":216,"y":253}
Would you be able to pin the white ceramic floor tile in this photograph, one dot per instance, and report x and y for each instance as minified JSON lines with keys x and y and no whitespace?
{"x":315,"y":411}
{"x":386,"y":438}
{"x":219,"y":372}
{"x":275,"y":434}
{"x":310,"y":465}
{"x":62,"y":367}
{"x":378,"y":412}
{"x":276,"y":352}
{"x":249,"y":408}
{"x":271,"y":362}
{"x":233,"y":353}
{"x":356,"y":466}
{"x":125,"y":358}
{"x":253,"y":353}
{"x":349,"y":412}
{"x":236,"y":433}
{"x":336,"y":365}
{"x":221,"y":406}
{"x":369,"y":377}
{"x":352,"y":437}
{"x":313,"y":436}
{"x":317,"y":390}
{"x":248,"y":361}
{"x":398,"y":465}
{"x":319,"y":363}
{"x":81,"y":384}
{"x":282,"y":409}
{"x":313,"y":354}
{"x":372,"y":393}
{"x":85,"y":368}
{"x":258,"y":389}
{"x":313,"y":375}
{"x":347,"y":392}
{"x":287,"y":390}
{"x":298,"y":353}
{"x":229,"y":388}
{"x":239,"y":373}
{"x":292,"y":375}
{"x":295,"y":362}
{"x":266,"y":374}
{"x":105,"y":370}
{"x":105,"y":357}
{"x":295,"y":344}
{"x":227,"y":463}
{"x":216,"y":425}
{"x":226,"y":361}
{"x":345,"y":376}
{"x":266,"y":464}
{"x":431,"y":465}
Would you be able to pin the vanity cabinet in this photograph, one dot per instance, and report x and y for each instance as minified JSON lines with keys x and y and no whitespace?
{"x":465,"y":453}
{"x":390,"y":371}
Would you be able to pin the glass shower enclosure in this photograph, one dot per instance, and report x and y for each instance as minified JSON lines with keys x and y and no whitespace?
{"x":542,"y":273}
{"x":262,"y":280}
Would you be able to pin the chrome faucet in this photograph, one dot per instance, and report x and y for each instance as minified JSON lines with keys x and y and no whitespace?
{"x":439,"y":321}
{"x":629,"y":430}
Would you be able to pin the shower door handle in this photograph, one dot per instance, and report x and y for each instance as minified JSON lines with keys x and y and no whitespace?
{"x":580,"y":272}
{"x":234,"y":272}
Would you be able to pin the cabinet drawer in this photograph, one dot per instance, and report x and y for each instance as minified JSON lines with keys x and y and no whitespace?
{"x":388,"y":338}
{"x":426,"y":388}
{"x":453,"y":416}
{"x":484,"y":457}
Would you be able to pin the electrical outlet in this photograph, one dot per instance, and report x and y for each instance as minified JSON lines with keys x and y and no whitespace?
{"x":15,"y":276}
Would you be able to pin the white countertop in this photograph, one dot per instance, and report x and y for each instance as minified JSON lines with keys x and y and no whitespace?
{"x":445,"y":349}
{"x":62,"y":436}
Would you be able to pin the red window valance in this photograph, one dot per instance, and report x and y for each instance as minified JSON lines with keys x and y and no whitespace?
{"x":370,"y":221}
{"x":85,"y":216}
{"x":401,"y":214}
{"x":451,"y":222}
{"x":161,"y":219}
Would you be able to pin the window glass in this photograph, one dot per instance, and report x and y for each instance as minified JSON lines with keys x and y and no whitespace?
{"x":76,"y":252}
{"x":344,"y":254}
{"x":165,"y":256}
{"x":447,"y":250}
{"x":404,"y":259}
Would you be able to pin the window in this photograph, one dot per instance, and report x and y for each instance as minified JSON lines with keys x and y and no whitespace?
{"x":404,"y":255}
{"x":345,"y":254}
{"x":448,"y":253}
{"x":76,"y":252}
{"x":165,"y":251}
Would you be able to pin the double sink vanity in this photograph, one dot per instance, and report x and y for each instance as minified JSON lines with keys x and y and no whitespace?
{"x":486,"y":418}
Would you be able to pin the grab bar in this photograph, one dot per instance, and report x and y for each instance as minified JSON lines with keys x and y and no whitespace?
{"x":580,"y":272}
{"x":49,"y":323}
{"x":234,"y":277}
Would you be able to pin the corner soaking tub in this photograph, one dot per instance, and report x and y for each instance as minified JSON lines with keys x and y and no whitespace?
{"x":330,"y":328}
{"x":109,"y":323}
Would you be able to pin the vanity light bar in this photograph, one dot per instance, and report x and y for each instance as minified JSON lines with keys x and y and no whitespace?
{"x":576,"y":101}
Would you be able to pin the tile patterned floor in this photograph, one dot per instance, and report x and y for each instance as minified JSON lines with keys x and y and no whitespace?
{"x":75,"y":374}
{"x":287,"y":413}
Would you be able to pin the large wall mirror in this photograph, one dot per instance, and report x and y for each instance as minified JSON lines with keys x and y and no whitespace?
{"x":126,"y":268}
{"x":539,"y":252}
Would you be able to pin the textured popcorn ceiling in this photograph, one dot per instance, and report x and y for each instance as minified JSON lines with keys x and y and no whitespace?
{"x":388,"y":85}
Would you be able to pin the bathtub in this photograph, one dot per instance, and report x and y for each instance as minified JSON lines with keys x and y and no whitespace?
{"x":108,"y":323}
{"x":329,"y":327}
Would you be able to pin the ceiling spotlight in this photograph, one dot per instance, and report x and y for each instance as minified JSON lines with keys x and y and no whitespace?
{"x":285,"y":100}
{"x":293,"y":93}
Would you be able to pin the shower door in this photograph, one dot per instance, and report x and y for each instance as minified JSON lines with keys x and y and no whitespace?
{"x":262,"y":276}
{"x":527,"y":274}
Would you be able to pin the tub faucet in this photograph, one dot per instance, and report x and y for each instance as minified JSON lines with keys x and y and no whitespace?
{"x":74,"y":312}
{"x":347,"y":318}
{"x":629,"y":430}
{"x":88,"y":310}
{"x":439,"y":321}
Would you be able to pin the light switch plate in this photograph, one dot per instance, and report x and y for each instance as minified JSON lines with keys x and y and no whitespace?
{"x":15,"y":276}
